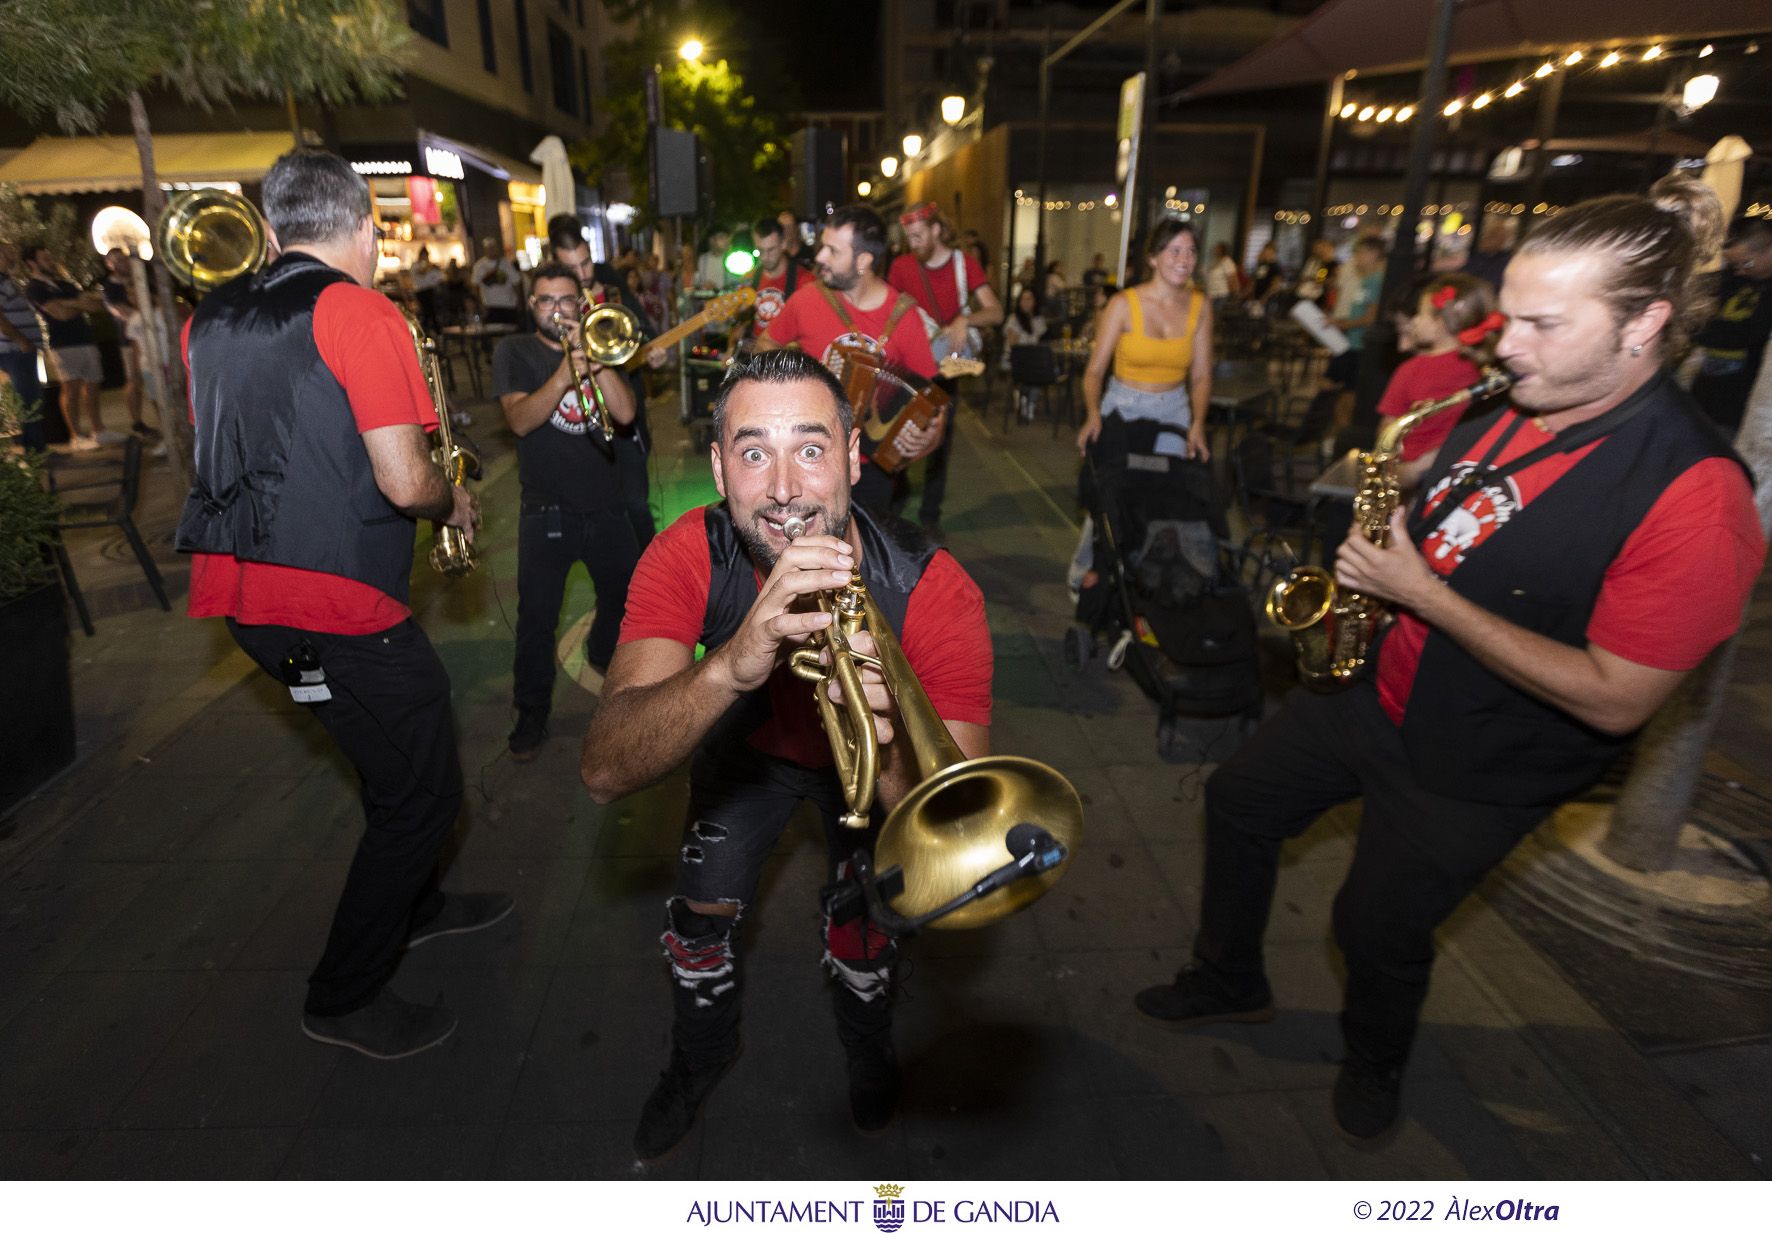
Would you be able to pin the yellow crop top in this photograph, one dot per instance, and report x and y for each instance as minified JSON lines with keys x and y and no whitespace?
{"x":1155,"y":362}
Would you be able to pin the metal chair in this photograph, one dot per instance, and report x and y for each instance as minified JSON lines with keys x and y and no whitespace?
{"x":1033,"y":372}
{"x":116,"y":492}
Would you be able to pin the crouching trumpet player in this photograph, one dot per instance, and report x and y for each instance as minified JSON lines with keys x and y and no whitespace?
{"x":729,"y":577}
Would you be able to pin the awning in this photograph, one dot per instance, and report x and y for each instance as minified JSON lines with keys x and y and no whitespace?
{"x":108,"y":163}
{"x":489,"y":161}
{"x":1391,"y":36}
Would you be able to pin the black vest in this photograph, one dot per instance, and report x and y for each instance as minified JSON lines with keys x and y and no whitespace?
{"x":894,"y":555}
{"x":1470,"y":734}
{"x":282,"y":475}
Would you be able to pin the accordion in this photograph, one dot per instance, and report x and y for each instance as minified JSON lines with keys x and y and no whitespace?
{"x":886,"y":398}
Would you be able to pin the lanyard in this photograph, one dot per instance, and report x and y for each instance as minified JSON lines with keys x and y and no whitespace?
{"x":1570,"y":439}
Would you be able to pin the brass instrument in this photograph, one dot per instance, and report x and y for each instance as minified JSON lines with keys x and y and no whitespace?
{"x":590,"y":395}
{"x":949,"y":832}
{"x":452,"y":553}
{"x":1332,"y":626}
{"x":211,"y":236}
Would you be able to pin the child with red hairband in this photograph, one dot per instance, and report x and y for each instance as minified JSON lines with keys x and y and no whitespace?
{"x":1453,"y":333}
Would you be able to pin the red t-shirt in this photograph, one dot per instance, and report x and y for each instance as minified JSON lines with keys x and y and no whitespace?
{"x":907,"y":278}
{"x":1427,"y":377}
{"x":363,"y":339}
{"x":772,"y":293}
{"x":809,"y":320}
{"x":1674,"y":592}
{"x":945,"y":637}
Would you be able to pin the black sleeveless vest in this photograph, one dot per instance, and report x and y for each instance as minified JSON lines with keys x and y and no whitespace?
{"x":282,"y":475}
{"x":1470,"y":734}
{"x":894,"y":555}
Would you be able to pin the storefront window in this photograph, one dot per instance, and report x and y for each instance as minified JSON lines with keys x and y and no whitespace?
{"x":529,"y":221}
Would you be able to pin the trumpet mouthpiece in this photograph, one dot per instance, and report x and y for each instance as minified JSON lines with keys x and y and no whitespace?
{"x":794,"y":527}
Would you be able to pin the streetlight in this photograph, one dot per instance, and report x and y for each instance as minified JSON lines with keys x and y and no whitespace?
{"x":889,"y":166}
{"x":953,"y":109}
{"x":1699,"y":90}
{"x":691,"y":49}
{"x":865,"y":188}
{"x":912,"y":143}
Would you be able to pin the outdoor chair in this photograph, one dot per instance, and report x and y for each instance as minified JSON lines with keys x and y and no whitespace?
{"x":1033,"y":372}
{"x":106,"y":500}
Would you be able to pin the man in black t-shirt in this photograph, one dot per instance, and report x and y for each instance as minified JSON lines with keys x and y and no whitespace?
{"x":581,"y":499}
{"x":73,"y":348}
{"x":1734,"y":340}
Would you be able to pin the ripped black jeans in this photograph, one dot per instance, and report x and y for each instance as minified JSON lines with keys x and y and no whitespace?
{"x":740,"y":800}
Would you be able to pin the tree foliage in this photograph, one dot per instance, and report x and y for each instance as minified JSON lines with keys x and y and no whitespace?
{"x":24,"y":223}
{"x":71,"y":61}
{"x":741,"y":138}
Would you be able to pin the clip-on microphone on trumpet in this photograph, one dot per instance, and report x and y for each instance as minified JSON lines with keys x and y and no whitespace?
{"x":1033,"y":851}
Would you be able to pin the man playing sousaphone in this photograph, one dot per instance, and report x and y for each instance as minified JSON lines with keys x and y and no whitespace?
{"x":956,"y":299}
{"x":853,"y":305}
{"x":312,"y":464}
{"x":729,"y":577}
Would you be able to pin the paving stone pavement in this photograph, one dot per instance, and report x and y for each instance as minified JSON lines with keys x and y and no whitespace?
{"x":160,"y":905}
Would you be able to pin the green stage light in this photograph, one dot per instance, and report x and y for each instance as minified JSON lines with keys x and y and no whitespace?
{"x":740,"y":262}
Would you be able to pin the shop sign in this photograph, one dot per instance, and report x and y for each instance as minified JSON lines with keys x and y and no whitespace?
{"x":444,"y":163}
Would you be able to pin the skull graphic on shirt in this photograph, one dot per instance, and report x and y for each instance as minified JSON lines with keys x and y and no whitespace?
{"x":1477,"y":519}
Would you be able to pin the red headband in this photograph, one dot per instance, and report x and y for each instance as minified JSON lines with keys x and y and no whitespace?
{"x":1492,"y":324}
{"x":924,"y":212}
{"x":1445,"y":296}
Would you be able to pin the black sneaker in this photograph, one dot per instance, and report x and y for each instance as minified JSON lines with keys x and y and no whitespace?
{"x":388,"y":1027}
{"x":671,"y":1108}
{"x":1366,"y":1100}
{"x":528,"y":736}
{"x":462,"y":914}
{"x":874,"y":1085}
{"x":1194,"y":999}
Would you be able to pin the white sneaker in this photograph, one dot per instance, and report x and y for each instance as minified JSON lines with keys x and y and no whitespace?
{"x":158,"y":451}
{"x":110,"y":437}
{"x":85,"y":443}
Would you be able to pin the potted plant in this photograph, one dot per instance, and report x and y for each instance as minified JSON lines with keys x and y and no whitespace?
{"x":37,"y":701}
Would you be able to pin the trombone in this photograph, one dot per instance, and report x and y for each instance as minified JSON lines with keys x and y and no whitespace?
{"x":610,"y":335}
{"x":944,"y":844}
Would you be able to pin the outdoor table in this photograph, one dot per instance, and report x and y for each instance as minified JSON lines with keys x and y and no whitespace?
{"x":477,"y":340}
{"x":1339,"y":483}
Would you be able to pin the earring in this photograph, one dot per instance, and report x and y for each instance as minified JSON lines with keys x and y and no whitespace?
{"x":1637,"y":350}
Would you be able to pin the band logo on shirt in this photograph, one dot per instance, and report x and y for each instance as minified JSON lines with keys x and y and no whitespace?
{"x":568,"y":417}
{"x":1482,"y":515}
{"x":769,"y":302}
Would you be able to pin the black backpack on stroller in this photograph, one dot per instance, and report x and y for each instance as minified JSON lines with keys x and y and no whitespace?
{"x":1167,"y":600}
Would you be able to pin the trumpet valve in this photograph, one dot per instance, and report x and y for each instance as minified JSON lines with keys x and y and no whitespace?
{"x":853,"y":819}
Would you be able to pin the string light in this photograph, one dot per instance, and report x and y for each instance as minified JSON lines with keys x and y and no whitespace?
{"x":1573,"y":58}
{"x":1405,"y":112}
{"x":1610,"y":58}
{"x":1385,"y":113}
{"x":1367,"y":111}
{"x":1454,"y":107}
{"x":1706,"y":50}
{"x":1482,"y":100}
{"x":1349,"y":109}
{"x":1513,"y":90}
{"x":1545,"y":69}
{"x":1654,"y":53}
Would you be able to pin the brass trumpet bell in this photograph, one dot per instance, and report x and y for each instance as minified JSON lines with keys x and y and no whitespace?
{"x":611,"y":334}
{"x":948,"y":833}
{"x":211,"y":236}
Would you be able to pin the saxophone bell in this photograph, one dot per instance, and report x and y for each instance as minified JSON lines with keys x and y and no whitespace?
{"x":1333,"y":627}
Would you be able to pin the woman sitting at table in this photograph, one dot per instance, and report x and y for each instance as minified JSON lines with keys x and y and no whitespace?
{"x":1157,"y":336}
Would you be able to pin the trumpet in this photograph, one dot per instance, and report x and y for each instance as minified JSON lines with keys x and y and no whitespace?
{"x":950,"y":832}
{"x":452,"y":553}
{"x":590,"y":395}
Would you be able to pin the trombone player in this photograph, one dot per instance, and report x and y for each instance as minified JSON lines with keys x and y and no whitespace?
{"x":312,"y":466}
{"x":584,"y":499}
{"x":728,"y":576}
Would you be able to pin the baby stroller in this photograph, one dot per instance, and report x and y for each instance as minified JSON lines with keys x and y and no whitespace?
{"x":1165,"y":597}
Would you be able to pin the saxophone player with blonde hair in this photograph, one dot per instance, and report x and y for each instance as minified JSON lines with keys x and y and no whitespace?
{"x":1571,"y":555}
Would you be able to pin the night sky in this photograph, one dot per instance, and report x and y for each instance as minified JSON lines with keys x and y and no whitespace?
{"x":777,"y":43}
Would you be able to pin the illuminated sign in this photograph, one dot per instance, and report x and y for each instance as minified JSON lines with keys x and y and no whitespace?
{"x":383,"y":167}
{"x":444,"y":163}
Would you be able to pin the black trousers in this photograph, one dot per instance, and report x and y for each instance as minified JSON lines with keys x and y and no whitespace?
{"x":739,"y":802}
{"x":935,"y":466}
{"x":549,"y":540}
{"x":1419,"y":853}
{"x":390,"y":715}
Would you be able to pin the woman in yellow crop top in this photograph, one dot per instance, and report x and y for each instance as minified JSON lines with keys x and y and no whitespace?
{"x":1158,"y":338}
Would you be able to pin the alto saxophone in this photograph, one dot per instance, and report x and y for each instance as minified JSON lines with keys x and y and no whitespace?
{"x":1333,"y":627}
{"x":452,"y":553}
